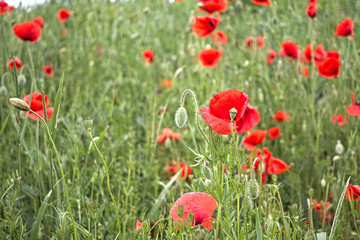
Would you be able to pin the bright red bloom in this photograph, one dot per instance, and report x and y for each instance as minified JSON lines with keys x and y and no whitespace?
{"x":319,"y":54}
{"x":255,"y":42}
{"x":221,"y":37}
{"x":217,"y":115}
{"x":308,"y":53}
{"x":277,"y":166}
{"x":63,"y":15}
{"x":4,"y":8}
{"x":353,"y":109}
{"x":205,"y":25}
{"x":167,"y":133}
{"x":249,"y":120}
{"x":39,"y":20}
{"x":330,"y":68}
{"x":18,"y":64}
{"x":148,"y":56}
{"x":138,"y":225}
{"x":311,"y":10}
{"x":319,"y":206}
{"x":28,"y":31}
{"x":290,"y":49}
{"x":270,"y":57}
{"x":281,"y":116}
{"x":211,"y":6}
{"x":210,"y":57}
{"x":305,"y":71}
{"x":339,"y":120}
{"x":201,"y":205}
{"x":333,"y":54}
{"x":352,"y":192}
{"x":274,"y":133}
{"x":255,"y":138}
{"x":167,"y":83}
{"x":175,"y":168}
{"x":48,"y":70}
{"x":345,"y":28}
{"x":37,"y":106}
{"x":262,"y":2}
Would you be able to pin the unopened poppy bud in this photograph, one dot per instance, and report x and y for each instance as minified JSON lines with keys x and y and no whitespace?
{"x":233,"y":113}
{"x":253,"y":188}
{"x":336,"y":158}
{"x":21,"y":79}
{"x":181,"y":117}
{"x":323,"y":183}
{"x":3,"y":91}
{"x":249,"y":203}
{"x":88,"y":122}
{"x":19,"y":104}
{"x":339,"y":148}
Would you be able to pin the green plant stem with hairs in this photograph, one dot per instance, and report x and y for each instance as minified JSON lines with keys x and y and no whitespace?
{"x":108,"y":180}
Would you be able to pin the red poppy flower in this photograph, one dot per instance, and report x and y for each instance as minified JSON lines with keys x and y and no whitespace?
{"x":249,"y":120}
{"x":271,"y":56}
{"x":311,"y":10}
{"x":217,"y":115}
{"x":138,"y":225}
{"x":277,"y":166}
{"x":255,"y":138}
{"x":4,"y":8}
{"x":308,"y":53}
{"x":290,"y":49}
{"x":253,"y":42}
{"x":148,"y":56}
{"x":167,"y":133}
{"x":312,"y":1}
{"x":63,"y":15}
{"x":339,"y":120}
{"x":18,"y":64}
{"x":330,"y":68}
{"x":211,"y":6}
{"x":353,"y":109}
{"x":48,"y":70}
{"x":167,"y":83}
{"x":281,"y":116}
{"x":345,"y":28}
{"x":319,"y":206}
{"x":221,"y":37}
{"x":37,"y":106}
{"x":63,"y":32}
{"x":28,"y":31}
{"x":201,"y":205}
{"x":352,"y":192}
{"x":262,"y":2}
{"x":274,"y":133}
{"x":175,"y":168}
{"x":319,"y":54}
{"x":304,"y":71}
{"x":205,"y":25}
{"x":39,"y":20}
{"x":210,"y":57}
{"x":333,"y":54}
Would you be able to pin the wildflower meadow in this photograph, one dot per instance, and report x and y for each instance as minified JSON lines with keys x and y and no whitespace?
{"x":180,"y":119}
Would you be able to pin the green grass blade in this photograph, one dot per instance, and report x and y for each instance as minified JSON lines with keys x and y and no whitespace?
{"x":40,"y":215}
{"x":57,"y":107}
{"x":258,"y":226}
{"x":4,"y":125}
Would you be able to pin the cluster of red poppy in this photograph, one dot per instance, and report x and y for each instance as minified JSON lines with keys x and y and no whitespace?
{"x":311,"y":8}
{"x":167,"y":133}
{"x":323,"y":209}
{"x":4,"y":8}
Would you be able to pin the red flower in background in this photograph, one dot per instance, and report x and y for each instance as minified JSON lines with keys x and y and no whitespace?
{"x":262,"y":2}
{"x":217,"y":115}
{"x":333,"y":54}
{"x":255,"y":42}
{"x":63,"y":32}
{"x":319,"y":54}
{"x":211,"y":6}
{"x":167,"y":133}
{"x":210,"y":57}
{"x":28,"y":31}
{"x":167,"y":83}
{"x":4,"y":8}
{"x":255,"y":138}
{"x":339,"y":120}
{"x":290,"y":49}
{"x":330,"y":68}
{"x":308,"y":53}
{"x":138,"y":226}
{"x":148,"y":56}
{"x":319,"y":207}
{"x":274,"y":133}
{"x":48,"y":70}
{"x":201,"y":205}
{"x":270,"y":57}
{"x":277,"y":166}
{"x":352,"y":192}
{"x":39,"y":20}
{"x":312,"y":1}
{"x":249,"y":120}
{"x":281,"y":116}
{"x":311,"y":10}
{"x":205,"y":25}
{"x":345,"y":28}
{"x":353,"y":109}
{"x":18,"y":64}
{"x":304,"y":71}
{"x":63,"y":15}
{"x":175,"y":168}
{"x":221,"y":37}
{"x":37,"y":106}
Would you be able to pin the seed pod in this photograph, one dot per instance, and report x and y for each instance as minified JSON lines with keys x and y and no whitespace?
{"x":88,"y":122}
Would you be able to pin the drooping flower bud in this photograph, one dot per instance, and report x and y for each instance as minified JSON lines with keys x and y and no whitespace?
{"x":181,"y":117}
{"x":19,"y":104}
{"x":3,"y":91}
{"x":233,"y":113}
{"x":323,"y":183}
{"x":339,"y":148}
{"x":21,"y":79}
{"x":88,"y":122}
{"x":253,"y":188}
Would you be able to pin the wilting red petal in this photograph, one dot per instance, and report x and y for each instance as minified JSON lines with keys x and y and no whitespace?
{"x":250,"y":119}
{"x":271,"y":56}
{"x":262,"y":2}
{"x":353,"y":109}
{"x":311,"y":10}
{"x":345,"y":28}
{"x":274,"y":133}
{"x":220,"y":36}
{"x":201,"y":205}
{"x":63,"y":15}
{"x":40,"y":21}
{"x":277,"y":166}
{"x":205,"y":25}
{"x":352,"y":192}
{"x":148,"y":56}
{"x":281,"y":116}
{"x":210,"y":57}
{"x":330,"y":68}
{"x":211,"y":6}
{"x":255,"y":138}
{"x":28,"y":31}
{"x":18,"y":63}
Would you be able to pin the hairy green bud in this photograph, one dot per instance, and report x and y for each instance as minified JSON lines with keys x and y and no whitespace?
{"x":253,"y":188}
{"x":181,"y":117}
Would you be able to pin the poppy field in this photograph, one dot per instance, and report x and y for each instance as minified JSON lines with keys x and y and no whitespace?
{"x":181,"y":119}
